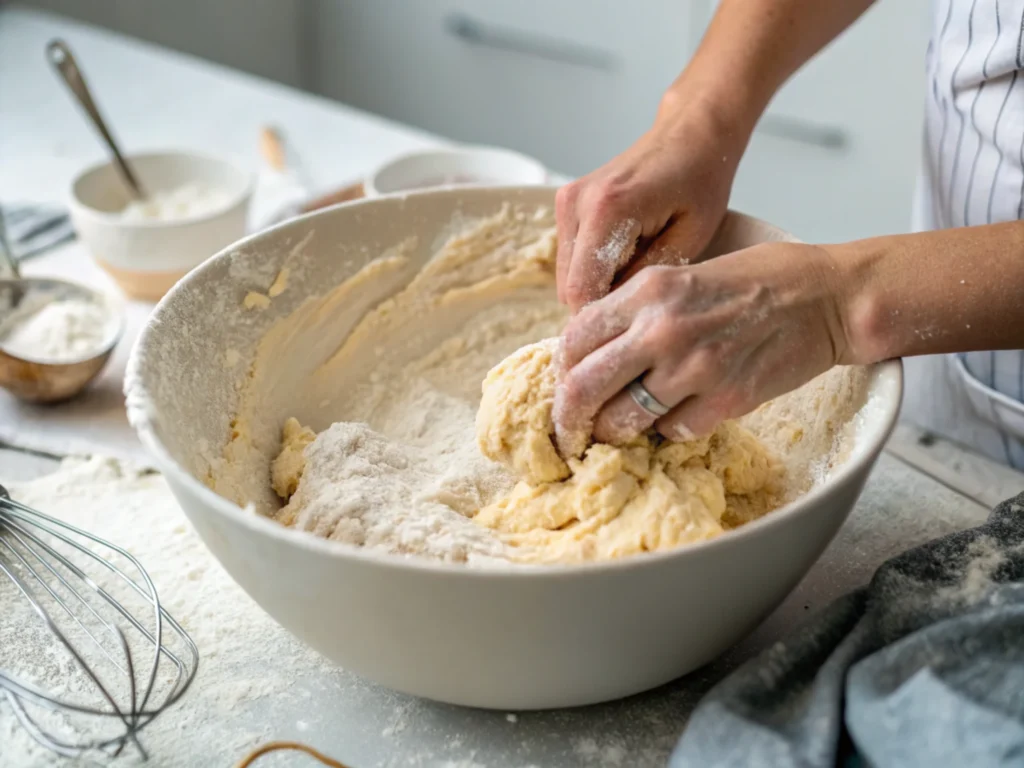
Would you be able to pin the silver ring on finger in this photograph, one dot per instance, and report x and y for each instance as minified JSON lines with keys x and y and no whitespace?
{"x":646,"y":400}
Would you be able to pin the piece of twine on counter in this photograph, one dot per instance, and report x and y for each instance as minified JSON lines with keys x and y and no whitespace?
{"x":276,"y":746}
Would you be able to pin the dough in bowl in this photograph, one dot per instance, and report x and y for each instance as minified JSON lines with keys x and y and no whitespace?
{"x":407,"y":410}
{"x":615,"y":500}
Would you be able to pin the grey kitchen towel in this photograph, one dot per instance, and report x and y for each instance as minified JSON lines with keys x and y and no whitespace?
{"x":922,"y":667}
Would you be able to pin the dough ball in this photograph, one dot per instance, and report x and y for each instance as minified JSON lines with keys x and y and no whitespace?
{"x":614,"y":501}
{"x":513,"y":425}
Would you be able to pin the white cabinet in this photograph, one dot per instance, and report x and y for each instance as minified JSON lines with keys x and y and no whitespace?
{"x":572,"y":82}
{"x":837,"y":153}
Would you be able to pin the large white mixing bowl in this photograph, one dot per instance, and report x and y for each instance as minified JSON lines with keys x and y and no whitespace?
{"x":525,"y":638}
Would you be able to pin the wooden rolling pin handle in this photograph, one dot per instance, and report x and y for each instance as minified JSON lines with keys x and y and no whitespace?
{"x":343,"y":195}
{"x":272,"y":148}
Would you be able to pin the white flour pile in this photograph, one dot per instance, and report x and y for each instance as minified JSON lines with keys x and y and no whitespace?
{"x":183,"y":202}
{"x":391,"y":387}
{"x":59,"y":331}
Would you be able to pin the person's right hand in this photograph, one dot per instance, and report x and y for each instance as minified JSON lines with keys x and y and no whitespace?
{"x":659,"y":202}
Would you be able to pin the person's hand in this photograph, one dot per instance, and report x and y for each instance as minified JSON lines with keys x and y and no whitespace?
{"x":659,"y":202}
{"x":711,"y":342}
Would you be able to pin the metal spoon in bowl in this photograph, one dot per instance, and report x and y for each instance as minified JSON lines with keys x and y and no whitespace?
{"x":64,"y":62}
{"x":42,"y":381}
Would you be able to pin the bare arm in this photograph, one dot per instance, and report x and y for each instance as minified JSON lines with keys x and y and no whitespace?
{"x":715,"y":340}
{"x":752,"y":47}
{"x":662,"y":199}
{"x":954,"y":290}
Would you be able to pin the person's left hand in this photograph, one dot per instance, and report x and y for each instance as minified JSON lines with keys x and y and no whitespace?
{"x":712,"y":342}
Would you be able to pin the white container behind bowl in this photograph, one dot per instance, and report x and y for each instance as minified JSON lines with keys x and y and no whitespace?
{"x":517,"y":638}
{"x":462,"y":166}
{"x":147,"y":257}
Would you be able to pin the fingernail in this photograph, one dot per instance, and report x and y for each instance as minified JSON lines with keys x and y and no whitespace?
{"x":678,"y":433}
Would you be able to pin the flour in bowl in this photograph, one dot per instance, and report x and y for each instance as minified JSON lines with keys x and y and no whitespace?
{"x":59,"y":331}
{"x":391,"y":388}
{"x":182,"y":202}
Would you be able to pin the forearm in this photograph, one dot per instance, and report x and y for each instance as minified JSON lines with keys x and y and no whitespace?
{"x":750,"y":49}
{"x":954,"y":290}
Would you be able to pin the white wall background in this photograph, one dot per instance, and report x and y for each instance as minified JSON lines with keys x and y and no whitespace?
{"x":574,"y":82}
{"x":264,"y":37}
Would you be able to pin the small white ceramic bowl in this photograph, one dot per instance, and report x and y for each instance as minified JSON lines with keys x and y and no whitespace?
{"x":146,"y":257}
{"x":457,"y":166}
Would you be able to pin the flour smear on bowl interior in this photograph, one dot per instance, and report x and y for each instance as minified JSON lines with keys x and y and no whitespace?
{"x":382,"y":451}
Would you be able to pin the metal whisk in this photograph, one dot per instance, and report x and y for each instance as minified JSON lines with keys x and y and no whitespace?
{"x":92,"y":619}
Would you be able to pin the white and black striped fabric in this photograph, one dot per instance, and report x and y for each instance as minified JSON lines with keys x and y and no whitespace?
{"x":973,"y":173}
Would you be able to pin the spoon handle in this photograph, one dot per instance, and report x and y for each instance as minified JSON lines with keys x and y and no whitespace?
{"x":63,"y":61}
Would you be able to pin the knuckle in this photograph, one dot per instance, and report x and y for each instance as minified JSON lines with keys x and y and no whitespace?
{"x":711,"y":358}
{"x":576,"y":289}
{"x":572,"y":340}
{"x":620,"y":423}
{"x":689,"y":374}
{"x":653,"y":283}
{"x":589,"y":322}
{"x":662,"y":334}
{"x":572,"y":391}
{"x":607,"y":196}
{"x":566,"y":196}
{"x":686,"y":282}
{"x":728,"y":402}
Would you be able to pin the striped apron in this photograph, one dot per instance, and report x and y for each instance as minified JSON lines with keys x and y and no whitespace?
{"x":972,"y":173}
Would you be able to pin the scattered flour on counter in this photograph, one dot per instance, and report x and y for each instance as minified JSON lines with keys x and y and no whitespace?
{"x":135,"y":509}
{"x":175,"y":204}
{"x":60,"y":331}
{"x":611,"y":755}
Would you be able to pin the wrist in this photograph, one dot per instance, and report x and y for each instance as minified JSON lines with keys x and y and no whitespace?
{"x":720,"y":113}
{"x":869,"y":324}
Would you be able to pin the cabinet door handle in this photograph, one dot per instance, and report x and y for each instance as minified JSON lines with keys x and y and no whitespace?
{"x":804,"y":131}
{"x":475,"y":32}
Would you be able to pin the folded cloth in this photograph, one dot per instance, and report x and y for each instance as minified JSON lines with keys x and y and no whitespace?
{"x":33,"y":229}
{"x":922,"y":667}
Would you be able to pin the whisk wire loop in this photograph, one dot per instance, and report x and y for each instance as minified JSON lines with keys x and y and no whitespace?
{"x":69,"y":578}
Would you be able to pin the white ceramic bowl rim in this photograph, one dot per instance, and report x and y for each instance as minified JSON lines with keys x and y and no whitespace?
{"x":881,"y":426}
{"x":453,"y":151}
{"x":244,"y":193}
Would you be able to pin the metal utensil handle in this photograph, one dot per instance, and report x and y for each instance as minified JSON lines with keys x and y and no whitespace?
{"x":7,"y":262}
{"x":474,"y":32}
{"x":804,"y":132}
{"x":64,"y":62}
